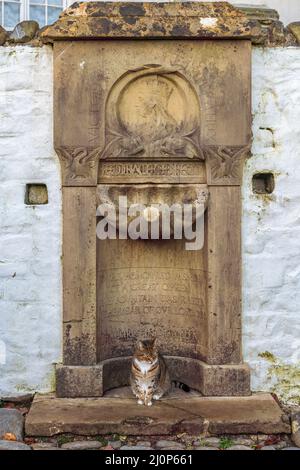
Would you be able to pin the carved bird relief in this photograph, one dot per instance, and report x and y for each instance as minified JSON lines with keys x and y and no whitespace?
{"x":225,"y":161}
{"x":79,"y":161}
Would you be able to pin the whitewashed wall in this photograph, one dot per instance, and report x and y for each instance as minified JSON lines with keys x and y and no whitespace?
{"x":30,"y":237}
{"x":271,"y":227}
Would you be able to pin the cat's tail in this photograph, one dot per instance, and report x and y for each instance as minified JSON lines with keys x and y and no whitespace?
{"x":181,"y":385}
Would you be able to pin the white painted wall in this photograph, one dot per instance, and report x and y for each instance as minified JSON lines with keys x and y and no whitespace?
{"x":271,"y":226}
{"x":30,"y":237}
{"x":30,"y":247}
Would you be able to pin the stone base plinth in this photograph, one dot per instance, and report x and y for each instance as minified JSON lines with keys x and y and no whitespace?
{"x":209,"y":380}
{"x":258,"y":413}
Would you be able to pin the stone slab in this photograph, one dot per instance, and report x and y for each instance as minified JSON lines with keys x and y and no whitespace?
{"x":12,"y":422}
{"x":258,"y":413}
{"x":13,"y":445}
{"x":94,"y":20}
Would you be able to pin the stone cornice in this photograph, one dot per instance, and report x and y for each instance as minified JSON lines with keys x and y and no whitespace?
{"x":96,"y":20}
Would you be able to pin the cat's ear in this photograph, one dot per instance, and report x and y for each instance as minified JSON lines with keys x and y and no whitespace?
{"x":154,"y":341}
{"x":140,"y":345}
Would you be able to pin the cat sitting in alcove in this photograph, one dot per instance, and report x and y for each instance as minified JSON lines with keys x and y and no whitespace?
{"x":149,"y":377}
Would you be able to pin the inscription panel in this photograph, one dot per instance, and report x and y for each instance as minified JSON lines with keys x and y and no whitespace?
{"x":137,"y":172}
{"x":156,"y":294}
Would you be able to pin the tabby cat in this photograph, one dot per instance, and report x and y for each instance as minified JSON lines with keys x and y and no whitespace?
{"x":149,"y":376}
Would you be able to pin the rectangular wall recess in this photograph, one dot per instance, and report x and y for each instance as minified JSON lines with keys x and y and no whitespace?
{"x":36,"y":194}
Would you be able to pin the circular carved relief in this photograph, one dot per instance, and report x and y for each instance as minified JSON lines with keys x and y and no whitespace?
{"x":152,"y":106}
{"x":152,"y":113}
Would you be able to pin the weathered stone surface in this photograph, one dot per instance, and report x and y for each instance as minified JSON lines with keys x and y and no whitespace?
{"x":13,"y":445}
{"x":44,"y":446}
{"x":11,"y":421}
{"x":272,"y":31}
{"x":36,"y":447}
{"x":137,"y":447}
{"x":280,"y":445}
{"x":79,"y":381}
{"x":219,"y":415}
{"x":82,"y":445}
{"x":25,"y":398}
{"x":210,"y":442}
{"x":264,"y":15}
{"x":295,"y":422}
{"x":144,"y":443}
{"x":243,"y":441}
{"x":268,"y":448}
{"x":115,"y":444}
{"x":220,"y":380}
{"x":240,"y":447}
{"x":108,"y":416}
{"x":3,"y":35}
{"x":171,"y":448}
{"x":163,"y":444}
{"x":24,"y":32}
{"x":174,"y":20}
{"x":205,"y":448}
{"x":208,"y":335}
{"x":294,"y":28}
{"x":225,"y":380}
{"x":291,"y":448}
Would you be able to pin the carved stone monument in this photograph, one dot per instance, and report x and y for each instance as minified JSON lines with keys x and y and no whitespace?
{"x":158,"y":121}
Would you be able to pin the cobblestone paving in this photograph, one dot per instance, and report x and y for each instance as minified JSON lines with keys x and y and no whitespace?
{"x":179,"y":442}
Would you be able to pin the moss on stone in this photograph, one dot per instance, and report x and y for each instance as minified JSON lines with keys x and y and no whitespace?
{"x":268,"y":356}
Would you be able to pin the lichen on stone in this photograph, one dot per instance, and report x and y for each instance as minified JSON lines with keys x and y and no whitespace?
{"x":285,"y":378}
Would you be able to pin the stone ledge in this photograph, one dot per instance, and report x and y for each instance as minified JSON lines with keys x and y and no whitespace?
{"x":209,"y":20}
{"x":210,"y":380}
{"x":258,"y":413}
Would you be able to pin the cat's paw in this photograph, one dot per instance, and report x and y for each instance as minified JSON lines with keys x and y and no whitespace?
{"x":149,"y":403}
{"x":140,"y":402}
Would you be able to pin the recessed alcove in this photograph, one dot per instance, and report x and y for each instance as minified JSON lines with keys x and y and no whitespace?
{"x":36,"y":194}
{"x":263,"y":183}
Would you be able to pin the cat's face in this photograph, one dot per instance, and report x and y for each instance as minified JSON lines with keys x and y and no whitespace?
{"x":146,"y":350}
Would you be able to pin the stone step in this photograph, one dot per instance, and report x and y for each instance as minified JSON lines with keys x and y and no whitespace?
{"x":258,"y":413}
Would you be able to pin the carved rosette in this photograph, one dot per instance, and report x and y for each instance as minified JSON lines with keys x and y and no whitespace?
{"x":79,"y":165}
{"x":224,"y":164}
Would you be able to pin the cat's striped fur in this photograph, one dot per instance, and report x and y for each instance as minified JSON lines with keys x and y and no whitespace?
{"x":149,"y":376}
